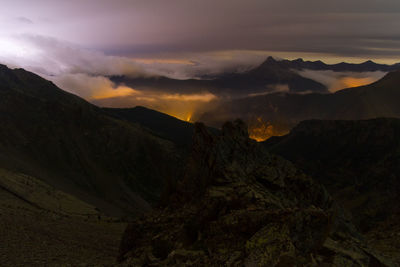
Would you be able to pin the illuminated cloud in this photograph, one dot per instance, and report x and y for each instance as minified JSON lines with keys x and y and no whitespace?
{"x":92,"y":87}
{"x":340,"y":80}
{"x":204,"y":97}
{"x":273,"y":88}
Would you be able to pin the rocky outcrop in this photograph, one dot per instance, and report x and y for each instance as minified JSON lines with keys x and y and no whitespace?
{"x":238,"y":205}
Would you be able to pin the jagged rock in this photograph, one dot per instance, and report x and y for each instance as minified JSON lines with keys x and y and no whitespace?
{"x":238,"y":205}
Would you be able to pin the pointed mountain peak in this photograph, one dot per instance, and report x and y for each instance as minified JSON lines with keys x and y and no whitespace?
{"x":368,"y":62}
{"x":270,"y":59}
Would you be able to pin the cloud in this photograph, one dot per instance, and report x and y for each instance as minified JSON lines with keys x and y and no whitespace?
{"x":92,"y":87}
{"x":24,"y":20}
{"x":49,"y":56}
{"x":273,"y":88}
{"x":203,"y":97}
{"x":101,"y":91}
{"x":365,"y":28}
{"x":340,"y":80}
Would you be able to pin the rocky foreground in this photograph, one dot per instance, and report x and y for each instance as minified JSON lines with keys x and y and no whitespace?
{"x":238,"y":205}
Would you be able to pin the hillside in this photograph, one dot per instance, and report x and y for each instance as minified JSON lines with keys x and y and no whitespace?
{"x":74,"y":146}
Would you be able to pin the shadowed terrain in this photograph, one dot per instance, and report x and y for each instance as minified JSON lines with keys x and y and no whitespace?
{"x":241,"y":206}
{"x":359,"y":163}
{"x":76,"y":147}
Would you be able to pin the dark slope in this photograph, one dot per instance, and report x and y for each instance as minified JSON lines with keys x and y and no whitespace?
{"x":258,"y":80}
{"x":379,"y":99}
{"x":74,"y":146}
{"x":237,"y":205}
{"x":358,"y":162}
{"x":168,"y":127}
{"x":163,"y":125}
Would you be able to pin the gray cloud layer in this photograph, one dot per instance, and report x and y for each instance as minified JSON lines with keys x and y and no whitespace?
{"x":367,"y":28}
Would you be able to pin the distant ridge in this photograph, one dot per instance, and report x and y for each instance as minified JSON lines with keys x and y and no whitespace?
{"x":379,"y":99}
{"x":300,"y":64}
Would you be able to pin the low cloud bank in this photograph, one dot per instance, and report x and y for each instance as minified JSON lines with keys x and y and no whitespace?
{"x":336,"y":81}
{"x":86,"y":73}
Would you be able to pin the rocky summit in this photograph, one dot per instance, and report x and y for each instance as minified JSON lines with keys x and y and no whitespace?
{"x":238,"y":205}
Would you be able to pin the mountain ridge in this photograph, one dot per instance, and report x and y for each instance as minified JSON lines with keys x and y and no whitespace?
{"x":379,"y":99}
{"x":75,"y":146}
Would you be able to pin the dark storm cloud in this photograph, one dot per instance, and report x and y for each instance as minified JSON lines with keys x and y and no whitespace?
{"x":24,"y":20}
{"x":343,"y":28}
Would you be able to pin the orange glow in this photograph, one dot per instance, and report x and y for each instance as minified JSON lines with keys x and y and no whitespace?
{"x":183,"y":115}
{"x":108,"y":92}
{"x":189,"y":116}
{"x":354,"y":82}
{"x":204,"y":97}
{"x":260,"y":130}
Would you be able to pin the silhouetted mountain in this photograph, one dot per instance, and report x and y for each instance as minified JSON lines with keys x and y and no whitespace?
{"x":76,"y":147}
{"x":168,"y":127}
{"x":238,"y":205}
{"x":261,"y":79}
{"x":300,"y":64}
{"x":379,"y":99}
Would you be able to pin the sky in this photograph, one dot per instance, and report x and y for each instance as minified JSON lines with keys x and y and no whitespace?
{"x":80,"y":43}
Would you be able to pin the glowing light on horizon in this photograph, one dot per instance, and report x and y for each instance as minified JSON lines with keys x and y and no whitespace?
{"x":107,"y":92}
{"x":189,"y":116}
{"x":261,"y":130}
{"x":355,"y":82}
{"x":204,"y":97}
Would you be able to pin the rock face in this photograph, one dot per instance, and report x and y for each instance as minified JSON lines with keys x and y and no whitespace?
{"x":238,"y":205}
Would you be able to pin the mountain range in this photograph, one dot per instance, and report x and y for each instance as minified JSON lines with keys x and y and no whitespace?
{"x":300,"y":64}
{"x":285,"y":110}
{"x":261,"y":79}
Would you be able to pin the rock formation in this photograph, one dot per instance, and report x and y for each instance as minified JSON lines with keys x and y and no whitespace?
{"x":237,"y":205}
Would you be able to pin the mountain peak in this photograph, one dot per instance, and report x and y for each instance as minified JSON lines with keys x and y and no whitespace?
{"x":369,"y":62}
{"x":270,"y":59}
